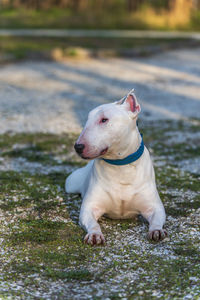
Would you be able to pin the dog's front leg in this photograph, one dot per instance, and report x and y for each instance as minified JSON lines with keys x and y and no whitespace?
{"x":88,"y":220}
{"x":156,"y":219}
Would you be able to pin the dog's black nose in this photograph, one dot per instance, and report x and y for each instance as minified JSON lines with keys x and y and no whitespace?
{"x":79,"y":148}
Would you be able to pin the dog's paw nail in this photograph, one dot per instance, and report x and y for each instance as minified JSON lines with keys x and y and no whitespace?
{"x":163,"y":234}
{"x":157,"y":235}
{"x":94,"y":239}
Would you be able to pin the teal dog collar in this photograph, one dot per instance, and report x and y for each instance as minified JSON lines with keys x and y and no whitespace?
{"x":129,"y":159}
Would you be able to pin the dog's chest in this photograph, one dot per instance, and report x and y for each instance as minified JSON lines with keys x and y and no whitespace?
{"x":122,"y":201}
{"x":119,"y":180}
{"x":121,"y":209}
{"x":122,"y":186}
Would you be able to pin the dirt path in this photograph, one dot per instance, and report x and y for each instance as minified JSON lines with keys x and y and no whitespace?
{"x":56,"y":97}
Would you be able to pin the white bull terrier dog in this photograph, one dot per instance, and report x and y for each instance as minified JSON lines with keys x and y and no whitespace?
{"x":119,"y":180}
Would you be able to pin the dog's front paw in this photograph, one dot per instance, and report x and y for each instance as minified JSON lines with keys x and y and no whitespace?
{"x":157,"y":235}
{"x":94,"y":239}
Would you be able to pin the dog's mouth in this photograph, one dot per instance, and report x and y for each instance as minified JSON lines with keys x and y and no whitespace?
{"x":96,"y":156}
{"x":104,"y":151}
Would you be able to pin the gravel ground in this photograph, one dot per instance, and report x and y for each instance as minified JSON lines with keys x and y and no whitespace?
{"x":56,"y":97}
{"x":42,"y":255}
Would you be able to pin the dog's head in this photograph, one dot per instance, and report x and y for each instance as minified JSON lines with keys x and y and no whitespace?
{"x":108,"y":126}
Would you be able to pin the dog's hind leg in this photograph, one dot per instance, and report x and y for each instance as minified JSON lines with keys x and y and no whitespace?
{"x":77,"y":181}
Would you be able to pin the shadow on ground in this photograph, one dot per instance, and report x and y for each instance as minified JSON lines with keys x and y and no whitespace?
{"x":168,"y":86}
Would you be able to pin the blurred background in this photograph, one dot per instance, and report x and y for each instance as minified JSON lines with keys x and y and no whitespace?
{"x":164,"y":15}
{"x":108,"y":14}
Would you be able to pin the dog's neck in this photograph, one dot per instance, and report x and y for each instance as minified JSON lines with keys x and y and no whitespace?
{"x":131,"y":146}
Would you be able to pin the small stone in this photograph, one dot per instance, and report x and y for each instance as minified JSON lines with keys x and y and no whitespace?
{"x":57,"y":54}
{"x":193,"y":279}
{"x":140,"y":293}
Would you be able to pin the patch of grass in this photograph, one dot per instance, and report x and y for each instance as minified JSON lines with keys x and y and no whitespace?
{"x":176,"y":211}
{"x":36,"y":231}
{"x":36,"y":47}
{"x":11,"y":182}
{"x":127,"y":224}
{"x":40,"y":141}
{"x":159,"y":140}
{"x":191,"y":204}
{"x":80,"y":275}
{"x":43,"y":243}
{"x":184,"y":251}
{"x":26,"y":267}
{"x":33,"y":195}
{"x":41,"y":148}
{"x":56,"y":178}
{"x":10,"y":204}
{"x":162,"y":142}
{"x":31,"y":154}
{"x":179,"y":151}
{"x":50,"y":247}
{"x":42,"y":44}
{"x":170,"y":177}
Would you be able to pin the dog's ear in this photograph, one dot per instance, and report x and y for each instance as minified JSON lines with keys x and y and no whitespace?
{"x":131,"y":103}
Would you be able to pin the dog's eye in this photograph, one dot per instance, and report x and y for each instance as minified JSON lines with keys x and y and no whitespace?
{"x":104,"y":120}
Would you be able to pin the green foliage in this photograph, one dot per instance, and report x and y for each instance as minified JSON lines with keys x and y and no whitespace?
{"x":101,"y":15}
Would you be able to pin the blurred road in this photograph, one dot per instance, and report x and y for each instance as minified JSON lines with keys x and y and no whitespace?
{"x":56,"y":97}
{"x":99,"y":33}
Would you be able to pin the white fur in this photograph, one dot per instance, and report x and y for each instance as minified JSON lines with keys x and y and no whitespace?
{"x":116,"y":191}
